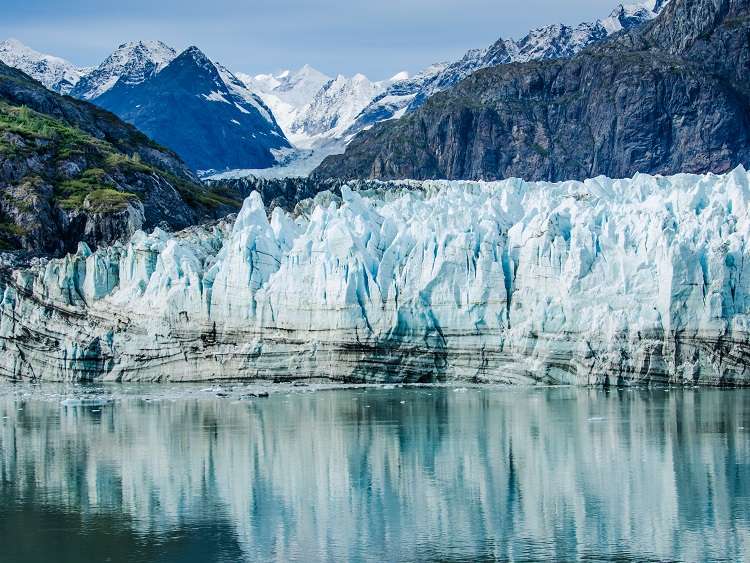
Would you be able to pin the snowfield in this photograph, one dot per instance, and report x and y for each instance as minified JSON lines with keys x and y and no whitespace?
{"x":597,"y":282}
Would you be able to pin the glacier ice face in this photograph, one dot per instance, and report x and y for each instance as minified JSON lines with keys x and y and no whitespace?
{"x":596,"y":282}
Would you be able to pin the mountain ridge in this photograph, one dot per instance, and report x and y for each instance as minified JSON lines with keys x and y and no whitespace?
{"x":318,"y":114}
{"x":676,"y":110}
{"x":548,"y":42}
{"x":55,"y":73}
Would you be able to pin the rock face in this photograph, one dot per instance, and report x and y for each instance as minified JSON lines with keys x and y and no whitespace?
{"x":671,"y":96}
{"x":295,"y":194}
{"x":600,"y":282}
{"x":201,"y":111}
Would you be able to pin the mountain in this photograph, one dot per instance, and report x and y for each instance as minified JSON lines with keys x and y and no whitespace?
{"x":129,"y":65}
{"x":667,"y":97}
{"x":201,"y":111}
{"x":313,"y":109}
{"x":549,"y":42}
{"x":335,"y":106}
{"x":324,"y":114}
{"x":71,"y":171}
{"x":314,"y":112}
{"x":286,"y":93}
{"x":603,"y":282}
{"x":395,"y":101}
{"x":55,"y":73}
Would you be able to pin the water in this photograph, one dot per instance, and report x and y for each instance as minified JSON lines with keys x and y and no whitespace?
{"x":178,"y":474}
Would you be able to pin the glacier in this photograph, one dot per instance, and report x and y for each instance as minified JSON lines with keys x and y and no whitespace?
{"x":600,"y":282}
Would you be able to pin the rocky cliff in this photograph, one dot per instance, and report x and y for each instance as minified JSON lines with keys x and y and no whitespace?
{"x":601,"y":282}
{"x":671,"y":96}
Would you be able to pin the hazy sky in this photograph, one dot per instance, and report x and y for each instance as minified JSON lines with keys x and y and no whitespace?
{"x":376,"y":37}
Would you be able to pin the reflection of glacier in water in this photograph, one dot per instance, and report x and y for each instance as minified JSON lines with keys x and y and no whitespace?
{"x":375,"y":474}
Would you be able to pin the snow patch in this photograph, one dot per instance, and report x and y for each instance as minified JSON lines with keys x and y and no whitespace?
{"x":218,"y":97}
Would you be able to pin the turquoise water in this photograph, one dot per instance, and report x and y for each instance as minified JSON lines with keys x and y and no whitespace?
{"x":177,"y":474}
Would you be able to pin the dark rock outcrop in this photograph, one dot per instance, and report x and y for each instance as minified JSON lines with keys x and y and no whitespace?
{"x":672,"y":96}
{"x":293,"y":194}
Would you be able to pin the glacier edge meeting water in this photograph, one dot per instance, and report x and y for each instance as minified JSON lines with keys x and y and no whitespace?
{"x":604,"y":281}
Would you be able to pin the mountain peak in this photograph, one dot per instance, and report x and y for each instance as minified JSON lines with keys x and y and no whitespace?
{"x":197,"y":59}
{"x":627,"y":16}
{"x":130,"y":64}
{"x":221,"y":124}
{"x":14,"y":43}
{"x":157,"y":52}
{"x":19,"y":49}
{"x":55,"y":73}
{"x":194,"y":52}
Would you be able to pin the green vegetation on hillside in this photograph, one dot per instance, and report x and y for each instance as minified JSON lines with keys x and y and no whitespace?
{"x":41,"y":131}
{"x":26,"y":133}
{"x":68,"y":170}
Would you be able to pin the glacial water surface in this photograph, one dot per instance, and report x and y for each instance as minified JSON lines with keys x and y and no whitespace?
{"x":196,"y":474}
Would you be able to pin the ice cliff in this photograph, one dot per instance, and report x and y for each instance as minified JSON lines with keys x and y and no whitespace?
{"x":597,"y":282}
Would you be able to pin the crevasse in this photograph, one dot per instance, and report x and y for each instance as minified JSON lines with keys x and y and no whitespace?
{"x":604,"y":281}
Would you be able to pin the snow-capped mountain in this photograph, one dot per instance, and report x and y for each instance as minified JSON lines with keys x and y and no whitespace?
{"x":334,"y":108}
{"x":194,"y":106}
{"x":394,"y":101}
{"x":632,"y":15}
{"x":314,"y":111}
{"x":286,"y":93}
{"x":313,"y":108}
{"x":318,"y":114}
{"x":549,"y":42}
{"x":55,"y":73}
{"x":202,"y":111}
{"x":130,"y":64}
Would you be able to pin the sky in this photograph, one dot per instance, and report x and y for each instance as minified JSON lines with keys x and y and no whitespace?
{"x":376,"y":37}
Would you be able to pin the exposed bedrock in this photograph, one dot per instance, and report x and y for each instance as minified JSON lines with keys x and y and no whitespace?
{"x":608,"y":282}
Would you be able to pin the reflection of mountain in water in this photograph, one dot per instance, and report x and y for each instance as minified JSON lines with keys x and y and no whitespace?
{"x":347,"y":475}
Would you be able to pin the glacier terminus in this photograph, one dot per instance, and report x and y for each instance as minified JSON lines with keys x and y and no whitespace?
{"x":603,"y":282}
